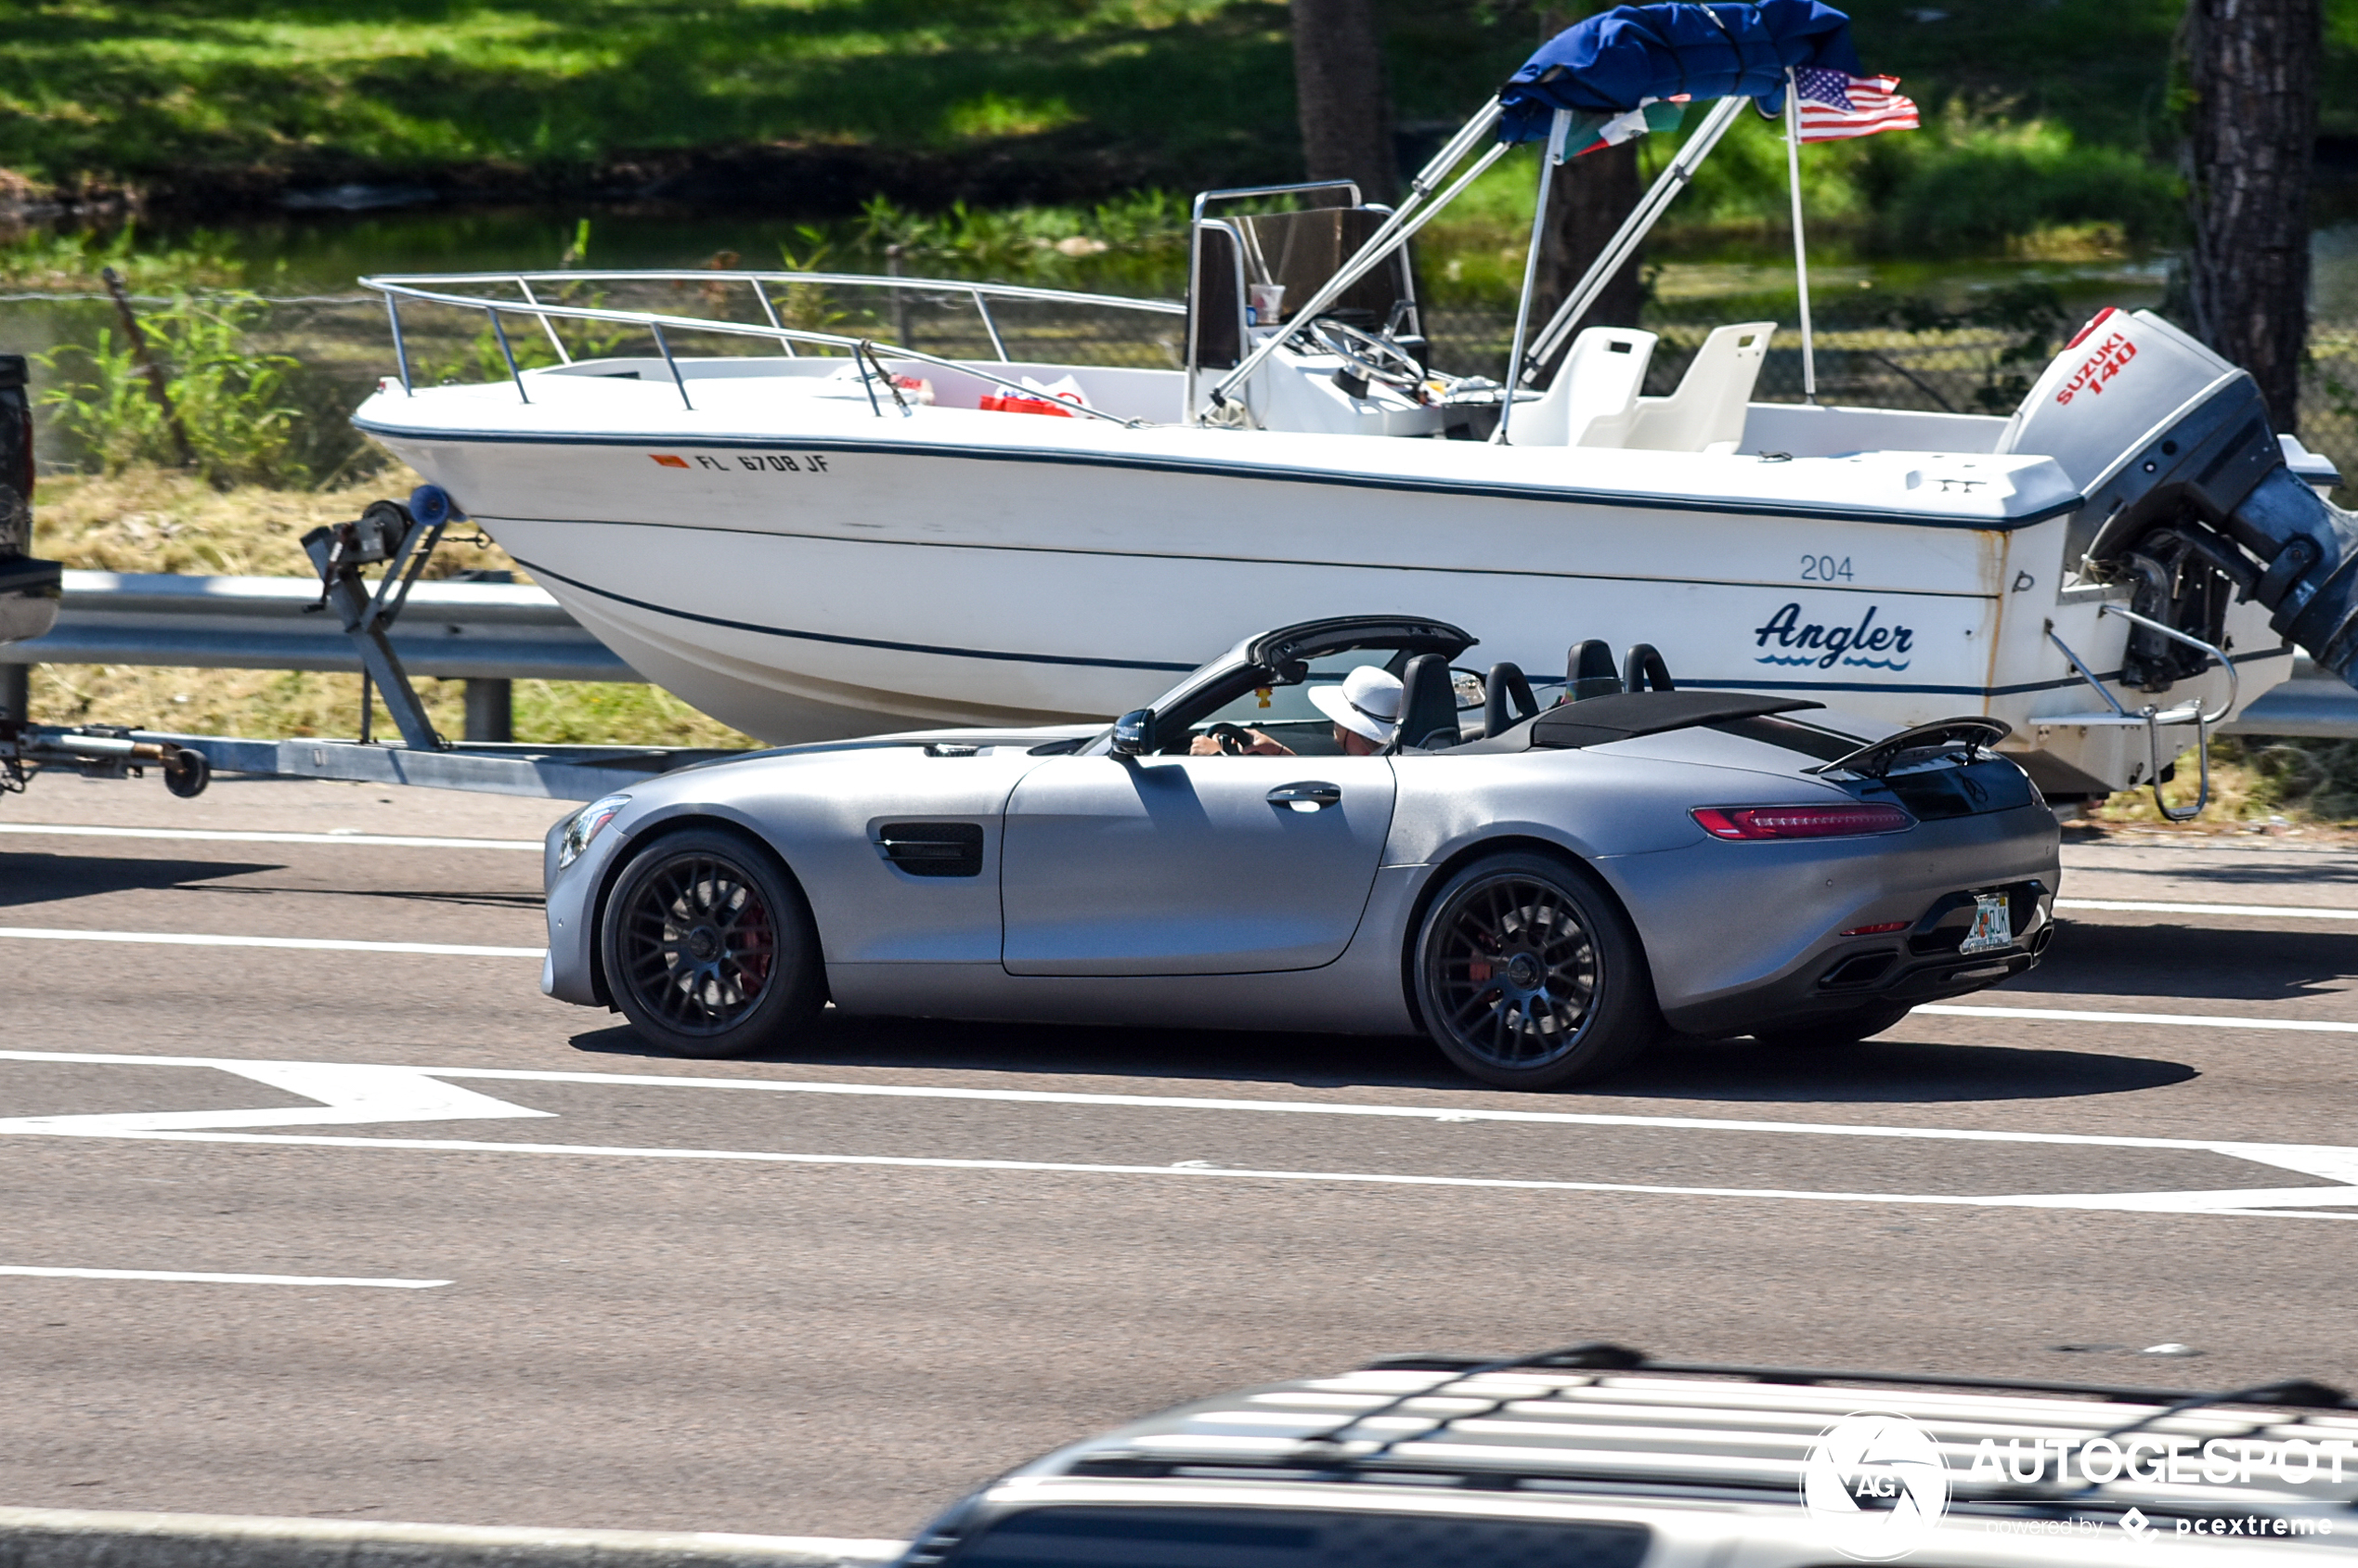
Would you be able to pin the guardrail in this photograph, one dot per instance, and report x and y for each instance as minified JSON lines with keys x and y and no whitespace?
{"x":488,"y":634}
{"x":454,"y":630}
{"x":494,"y":632}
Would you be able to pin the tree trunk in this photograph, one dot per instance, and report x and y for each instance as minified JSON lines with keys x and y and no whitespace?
{"x":2252,"y":66}
{"x":1592,"y":195}
{"x":1339,"y":85}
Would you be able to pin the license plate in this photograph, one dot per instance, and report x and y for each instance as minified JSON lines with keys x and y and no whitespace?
{"x":1993,"y":925}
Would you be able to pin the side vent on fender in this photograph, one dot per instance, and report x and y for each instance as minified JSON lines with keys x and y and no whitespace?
{"x":933,"y":849}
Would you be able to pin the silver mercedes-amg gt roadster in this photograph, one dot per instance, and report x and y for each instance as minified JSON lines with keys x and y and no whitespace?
{"x":1330,"y":827}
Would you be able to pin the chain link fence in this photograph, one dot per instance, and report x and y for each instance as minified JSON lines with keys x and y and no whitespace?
{"x":340,"y":348}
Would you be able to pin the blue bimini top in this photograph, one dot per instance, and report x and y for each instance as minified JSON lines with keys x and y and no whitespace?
{"x":1615,"y":61}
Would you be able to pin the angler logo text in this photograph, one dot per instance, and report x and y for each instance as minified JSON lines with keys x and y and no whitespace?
{"x":1825,"y":646}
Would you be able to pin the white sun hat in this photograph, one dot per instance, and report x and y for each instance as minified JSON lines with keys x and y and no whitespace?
{"x":1367,"y":703}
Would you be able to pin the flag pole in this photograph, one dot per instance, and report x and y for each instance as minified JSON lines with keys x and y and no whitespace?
{"x":1800,"y":246}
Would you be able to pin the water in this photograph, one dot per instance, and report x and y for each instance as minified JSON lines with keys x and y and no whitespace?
{"x":339,"y":336}
{"x":325,"y":252}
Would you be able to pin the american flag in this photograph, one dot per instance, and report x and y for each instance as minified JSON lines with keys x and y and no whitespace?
{"x":1836,"y":105}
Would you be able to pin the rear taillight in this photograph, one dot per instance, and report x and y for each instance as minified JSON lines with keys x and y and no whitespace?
{"x":1801,"y":822}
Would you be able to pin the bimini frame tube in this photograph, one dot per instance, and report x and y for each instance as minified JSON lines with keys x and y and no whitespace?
{"x":1634,"y":229}
{"x":1395,"y":231}
{"x":1551,"y":154}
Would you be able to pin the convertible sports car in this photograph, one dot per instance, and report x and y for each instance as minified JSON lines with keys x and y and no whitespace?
{"x":1328,"y":828}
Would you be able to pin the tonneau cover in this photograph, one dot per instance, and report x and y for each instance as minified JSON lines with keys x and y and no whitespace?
{"x":1602,"y":720}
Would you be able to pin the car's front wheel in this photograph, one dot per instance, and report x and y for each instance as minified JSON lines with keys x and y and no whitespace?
{"x":1529,"y":975}
{"x":709,"y":949}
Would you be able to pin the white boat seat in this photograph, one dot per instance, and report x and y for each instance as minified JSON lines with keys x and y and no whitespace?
{"x":1709,"y":407}
{"x":1599,"y":380}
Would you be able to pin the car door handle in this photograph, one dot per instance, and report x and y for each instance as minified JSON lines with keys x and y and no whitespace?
{"x":1312,"y":795}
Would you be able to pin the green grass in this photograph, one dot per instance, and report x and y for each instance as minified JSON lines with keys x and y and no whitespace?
{"x":133,"y":87}
{"x":153,"y":90}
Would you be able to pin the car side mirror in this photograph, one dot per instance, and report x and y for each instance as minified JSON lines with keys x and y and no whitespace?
{"x":1134,"y":732}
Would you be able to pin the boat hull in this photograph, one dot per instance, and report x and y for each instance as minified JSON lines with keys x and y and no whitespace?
{"x":811,"y":587}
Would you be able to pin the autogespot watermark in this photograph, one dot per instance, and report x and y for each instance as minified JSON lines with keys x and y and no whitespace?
{"x":1877,"y":1484}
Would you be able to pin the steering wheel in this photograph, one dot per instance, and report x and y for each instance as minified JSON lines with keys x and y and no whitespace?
{"x":1374,"y":359}
{"x":1233,"y":738}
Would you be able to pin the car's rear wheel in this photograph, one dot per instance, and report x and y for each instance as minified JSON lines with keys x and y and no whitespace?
{"x":709,"y":949}
{"x":1837,"y":1029}
{"x":1529,"y":975}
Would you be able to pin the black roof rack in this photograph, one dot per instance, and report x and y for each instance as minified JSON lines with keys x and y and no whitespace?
{"x":2294,"y":1392}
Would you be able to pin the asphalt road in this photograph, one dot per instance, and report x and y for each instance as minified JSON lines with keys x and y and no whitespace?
{"x":559,"y":1281}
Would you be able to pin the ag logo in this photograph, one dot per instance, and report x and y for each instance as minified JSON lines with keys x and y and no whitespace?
{"x":1875,"y":1483}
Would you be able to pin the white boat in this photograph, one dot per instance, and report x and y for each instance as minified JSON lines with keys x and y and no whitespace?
{"x":825,"y":535}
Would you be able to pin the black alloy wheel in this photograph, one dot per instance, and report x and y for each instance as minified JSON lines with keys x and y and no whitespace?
{"x":1836,"y":1029}
{"x":1529,"y":975}
{"x":709,"y":949}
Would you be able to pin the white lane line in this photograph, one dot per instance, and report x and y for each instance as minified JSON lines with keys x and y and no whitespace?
{"x":2090,"y":1015}
{"x":179,"y":1276}
{"x":2239,"y":1203}
{"x":360,"y":1094}
{"x":281,"y":1073}
{"x":306,"y":945}
{"x":2144,"y":906}
{"x":221,"y":836}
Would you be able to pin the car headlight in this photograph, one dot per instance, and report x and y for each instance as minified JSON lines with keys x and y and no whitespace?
{"x":584,"y":826}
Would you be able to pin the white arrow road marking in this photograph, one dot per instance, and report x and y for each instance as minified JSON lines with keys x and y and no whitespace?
{"x":2323,"y":1161}
{"x":2087,"y":1015}
{"x":304,"y":944}
{"x":350,"y":1095}
{"x":355,"y":1093}
{"x":2229,"y":1203}
{"x":223,"y":835}
{"x":181,"y":1277}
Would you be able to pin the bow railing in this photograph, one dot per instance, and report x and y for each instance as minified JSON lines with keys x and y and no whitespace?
{"x":866,"y":351}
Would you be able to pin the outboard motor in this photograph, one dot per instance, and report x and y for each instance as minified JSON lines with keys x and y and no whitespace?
{"x":2187,"y":493}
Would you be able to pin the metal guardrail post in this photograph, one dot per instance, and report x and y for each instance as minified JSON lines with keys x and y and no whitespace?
{"x":492,"y":712}
{"x":16,"y":690}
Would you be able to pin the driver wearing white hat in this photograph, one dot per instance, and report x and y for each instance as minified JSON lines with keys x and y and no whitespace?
{"x":1365,"y":706}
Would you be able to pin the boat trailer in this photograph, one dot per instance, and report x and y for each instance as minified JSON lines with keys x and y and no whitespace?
{"x":400,"y":538}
